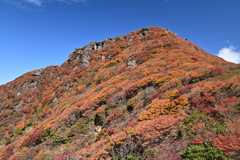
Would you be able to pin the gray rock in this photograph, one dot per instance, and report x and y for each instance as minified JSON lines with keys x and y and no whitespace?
{"x":130,"y":39}
{"x":131,"y":63}
{"x":118,"y":38}
{"x":99,"y":48}
{"x":144,"y":31}
{"x":98,"y":129}
{"x":18,"y":93}
{"x":167,"y":31}
{"x":34,"y":84}
{"x":55,"y":99}
{"x":79,"y":48}
{"x":18,"y":107}
{"x":103,"y":58}
{"x":25,"y":86}
{"x":70,"y":56}
{"x":68,"y":88}
{"x":85,"y":60}
{"x":199,"y":50}
{"x":38,"y":73}
{"x":87,"y":51}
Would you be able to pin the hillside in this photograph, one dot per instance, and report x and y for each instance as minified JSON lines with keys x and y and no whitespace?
{"x":146,"y":95}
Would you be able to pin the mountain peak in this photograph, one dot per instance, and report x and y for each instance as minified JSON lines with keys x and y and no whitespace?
{"x":146,"y":95}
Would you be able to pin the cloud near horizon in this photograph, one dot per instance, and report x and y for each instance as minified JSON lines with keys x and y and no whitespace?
{"x":229,"y":54}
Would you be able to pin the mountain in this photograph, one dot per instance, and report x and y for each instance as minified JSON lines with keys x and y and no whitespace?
{"x":146,"y":95}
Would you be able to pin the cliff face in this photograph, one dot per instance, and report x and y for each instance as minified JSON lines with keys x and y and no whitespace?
{"x":146,"y":95}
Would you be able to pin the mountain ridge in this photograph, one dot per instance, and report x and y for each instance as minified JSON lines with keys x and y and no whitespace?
{"x":133,"y":96}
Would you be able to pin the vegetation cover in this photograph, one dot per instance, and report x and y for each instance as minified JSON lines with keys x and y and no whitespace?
{"x":146,"y":95}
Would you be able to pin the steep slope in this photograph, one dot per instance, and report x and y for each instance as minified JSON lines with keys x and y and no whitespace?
{"x":146,"y":95}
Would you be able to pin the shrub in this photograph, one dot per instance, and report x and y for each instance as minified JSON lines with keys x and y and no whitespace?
{"x":59,"y":139}
{"x":17,"y":132}
{"x":53,"y":133}
{"x":131,"y":157}
{"x":149,"y":152}
{"x":45,"y":132}
{"x":204,"y":151}
{"x":35,"y":139}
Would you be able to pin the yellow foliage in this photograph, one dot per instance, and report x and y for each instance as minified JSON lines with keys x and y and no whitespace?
{"x":170,"y":94}
{"x":163,"y":80}
{"x":20,"y":125}
{"x":163,"y":107}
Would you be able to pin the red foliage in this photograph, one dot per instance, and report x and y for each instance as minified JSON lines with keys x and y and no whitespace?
{"x":110,"y":100}
{"x":153,"y":131}
{"x":194,"y":59}
{"x":99,"y":110}
{"x":229,"y":145}
{"x":7,"y":153}
{"x":186,"y":89}
{"x":133,"y":122}
{"x":110,"y":117}
{"x":35,"y":139}
{"x":131,"y":90}
{"x":197,"y":141}
{"x":70,"y":155}
{"x":17,"y":120}
{"x":111,"y":131}
{"x":205,"y":103}
{"x":10,"y":132}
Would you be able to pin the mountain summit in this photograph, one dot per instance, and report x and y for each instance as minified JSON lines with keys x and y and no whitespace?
{"x":146,"y":95}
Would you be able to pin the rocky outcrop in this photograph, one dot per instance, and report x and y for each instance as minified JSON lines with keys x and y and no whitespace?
{"x":38,"y":73}
{"x":18,"y":107}
{"x":131,"y":63}
{"x":84,"y":53}
{"x":144,"y":31}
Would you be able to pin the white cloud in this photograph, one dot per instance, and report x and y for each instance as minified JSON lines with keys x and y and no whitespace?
{"x":35,"y":2}
{"x":230,"y":54}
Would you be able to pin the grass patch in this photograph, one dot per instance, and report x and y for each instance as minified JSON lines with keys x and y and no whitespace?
{"x":225,"y":76}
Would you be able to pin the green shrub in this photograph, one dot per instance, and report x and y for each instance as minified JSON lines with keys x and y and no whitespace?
{"x":39,"y":110}
{"x":58,"y":140}
{"x":17,"y":132}
{"x":45,"y":132}
{"x":199,"y":117}
{"x":191,"y":120}
{"x":53,"y":133}
{"x":149,"y":152}
{"x":218,"y":127}
{"x":131,"y":157}
{"x":204,"y":151}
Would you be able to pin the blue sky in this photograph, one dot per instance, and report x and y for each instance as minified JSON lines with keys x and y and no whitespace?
{"x":35,"y":34}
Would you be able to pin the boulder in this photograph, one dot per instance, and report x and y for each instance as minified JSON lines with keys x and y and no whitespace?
{"x":129,"y":40}
{"x":144,"y":31}
{"x":103,"y":58}
{"x":38,"y":73}
{"x":131,"y":63}
{"x":85,"y":61}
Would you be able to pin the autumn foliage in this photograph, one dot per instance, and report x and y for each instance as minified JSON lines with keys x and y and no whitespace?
{"x":146,"y":95}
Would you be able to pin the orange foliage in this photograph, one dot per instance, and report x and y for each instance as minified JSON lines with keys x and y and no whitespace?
{"x":163,"y":107}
